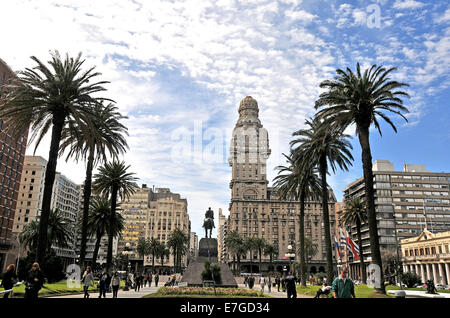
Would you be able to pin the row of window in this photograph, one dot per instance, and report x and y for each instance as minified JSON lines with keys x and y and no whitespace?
{"x":440,"y":249}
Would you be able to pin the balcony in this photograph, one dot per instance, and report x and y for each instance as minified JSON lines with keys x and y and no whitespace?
{"x":425,"y":257}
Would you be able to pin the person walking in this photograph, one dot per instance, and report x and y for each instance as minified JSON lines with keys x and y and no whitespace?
{"x":150,"y":278}
{"x":87,"y":280}
{"x":289,"y":282}
{"x":156,"y":279}
{"x":262,"y":283}
{"x":269,"y":284}
{"x":103,"y":283}
{"x":34,"y":282}
{"x":9,"y":279}
{"x":245,"y":281}
{"x":137,"y":284}
{"x":115,"y":282}
{"x":343,"y":286}
{"x":278,"y":283}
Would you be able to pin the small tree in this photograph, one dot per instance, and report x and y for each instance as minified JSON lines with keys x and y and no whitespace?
{"x":212,"y":272}
{"x":411,"y":279}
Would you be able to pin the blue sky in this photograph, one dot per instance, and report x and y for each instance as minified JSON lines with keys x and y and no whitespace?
{"x":178,"y":70}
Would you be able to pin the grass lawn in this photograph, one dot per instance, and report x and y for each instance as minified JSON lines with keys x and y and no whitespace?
{"x":361,"y":291}
{"x":205,"y":292}
{"x":58,"y":288}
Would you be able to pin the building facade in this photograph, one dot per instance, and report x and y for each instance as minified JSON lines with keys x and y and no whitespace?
{"x":406,"y":203}
{"x":255,"y":209}
{"x":65,"y":197}
{"x":428,"y":255}
{"x":222,"y":229}
{"x":193,"y":247}
{"x":12,"y":154}
{"x":153,"y":213}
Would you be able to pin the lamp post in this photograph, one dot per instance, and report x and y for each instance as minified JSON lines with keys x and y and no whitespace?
{"x":18,"y":255}
{"x":396,"y":247}
{"x":126,"y":251}
{"x":290,"y":255}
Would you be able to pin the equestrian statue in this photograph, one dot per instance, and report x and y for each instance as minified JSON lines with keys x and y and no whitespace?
{"x":208,"y":223}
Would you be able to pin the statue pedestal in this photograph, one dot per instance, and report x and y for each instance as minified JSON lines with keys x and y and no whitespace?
{"x":207,"y":250}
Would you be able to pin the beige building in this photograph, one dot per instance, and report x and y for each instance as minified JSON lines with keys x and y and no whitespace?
{"x":66,"y":197}
{"x":151,"y":213}
{"x":193,"y":246}
{"x":406,"y":203}
{"x":255,"y":210}
{"x":221,"y":233}
{"x":428,"y":255}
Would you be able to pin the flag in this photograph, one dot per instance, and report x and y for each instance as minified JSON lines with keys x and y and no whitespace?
{"x":352,"y":246}
{"x":336,"y":245}
{"x":343,"y":239}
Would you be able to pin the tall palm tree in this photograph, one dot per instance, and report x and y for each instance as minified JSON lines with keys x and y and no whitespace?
{"x":153,"y":248}
{"x":178,"y":243}
{"x":310,"y":249}
{"x":363,"y":99}
{"x":230,"y":241}
{"x":327,"y":146}
{"x":235,"y":244}
{"x":113,"y":179}
{"x":299,"y":181}
{"x":44,"y":98}
{"x":99,"y":222}
{"x":142,"y":249}
{"x":271,"y":250}
{"x":58,"y":232}
{"x":250,"y":247}
{"x":162,"y":253}
{"x":260,"y":244}
{"x":356,"y":213}
{"x":93,"y":148}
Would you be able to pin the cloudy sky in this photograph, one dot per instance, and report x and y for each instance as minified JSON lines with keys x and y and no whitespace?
{"x":178,"y":70}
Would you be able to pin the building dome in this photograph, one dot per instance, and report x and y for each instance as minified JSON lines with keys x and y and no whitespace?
{"x":248,"y":103}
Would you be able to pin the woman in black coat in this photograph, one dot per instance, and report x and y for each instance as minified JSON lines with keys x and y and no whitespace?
{"x":9,"y":279}
{"x":34,"y":282}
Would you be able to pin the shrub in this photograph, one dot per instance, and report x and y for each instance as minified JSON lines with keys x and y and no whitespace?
{"x":410,"y":279}
{"x":51,"y":268}
{"x":208,"y":291}
{"x":212,"y":273}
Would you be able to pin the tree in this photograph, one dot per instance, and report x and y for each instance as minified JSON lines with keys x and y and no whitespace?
{"x":326,"y":146}
{"x":236,"y":245}
{"x":43,"y":97}
{"x":310,"y":249}
{"x":153,"y":248}
{"x":178,"y":243}
{"x":363,"y":99}
{"x":250,"y":247}
{"x":113,"y":179}
{"x":299,"y":181}
{"x":162,"y":252}
{"x":260,"y":244}
{"x":99,"y":222}
{"x":143,"y":248}
{"x":57,"y":232}
{"x":356,"y":213}
{"x":93,"y":148}
{"x":271,"y":250}
{"x":411,"y":279}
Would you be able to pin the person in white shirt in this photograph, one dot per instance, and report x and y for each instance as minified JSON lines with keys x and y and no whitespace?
{"x":262,"y":282}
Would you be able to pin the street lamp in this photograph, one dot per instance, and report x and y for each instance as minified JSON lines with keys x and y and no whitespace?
{"x":290,"y":255}
{"x":126,"y":251}
{"x":396,"y":247}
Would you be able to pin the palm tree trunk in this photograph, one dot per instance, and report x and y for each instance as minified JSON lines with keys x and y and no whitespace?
{"x":260,"y":268}
{"x":251,"y":263}
{"x":153,"y":262}
{"x":302,"y":239}
{"x":174,"y":260}
{"x":58,"y":124}
{"x":96,"y":248}
{"x":326,"y":217}
{"x":111,"y":229}
{"x":361,"y":257}
{"x":86,"y":198}
{"x":238,"y":264}
{"x":371,"y":214}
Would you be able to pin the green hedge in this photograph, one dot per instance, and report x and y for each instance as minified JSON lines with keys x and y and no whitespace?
{"x":207,"y":291}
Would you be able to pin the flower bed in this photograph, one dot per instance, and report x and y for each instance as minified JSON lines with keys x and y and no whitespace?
{"x":208,"y":291}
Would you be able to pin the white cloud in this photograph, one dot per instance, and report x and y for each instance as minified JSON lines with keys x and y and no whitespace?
{"x":407,"y":4}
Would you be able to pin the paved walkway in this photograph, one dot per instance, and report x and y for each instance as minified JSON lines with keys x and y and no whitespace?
{"x":274,"y":292}
{"x":122,"y":294}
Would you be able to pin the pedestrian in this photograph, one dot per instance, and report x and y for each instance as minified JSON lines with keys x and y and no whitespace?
{"x":34,"y":282}
{"x":115,"y":282}
{"x":289,"y":282}
{"x":156,"y":279}
{"x":137,"y":284}
{"x":269,"y":284}
{"x":278,"y":282}
{"x":150,"y":278}
{"x":251,"y":282}
{"x":87,"y":280}
{"x":283,"y":283}
{"x":9,"y":279}
{"x":245,"y":281}
{"x":343,"y":286}
{"x":262,"y":283}
{"x":103,"y":283}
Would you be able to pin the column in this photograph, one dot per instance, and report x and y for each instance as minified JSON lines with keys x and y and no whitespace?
{"x":416,"y":269}
{"x":429,"y":272}
{"x":447,"y":272}
{"x":422,"y":273}
{"x":435,"y":274}
{"x":441,"y":274}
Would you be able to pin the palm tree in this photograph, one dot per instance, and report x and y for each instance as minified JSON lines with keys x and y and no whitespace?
{"x":235,"y":243}
{"x":153,"y":248}
{"x":356,"y":213}
{"x":230,"y":241}
{"x":271,"y":250}
{"x":93,"y":149}
{"x":298,"y":181}
{"x":362,"y":99}
{"x":177,"y":242}
{"x":113,"y":179}
{"x":99,"y":222}
{"x":58,"y":232}
{"x":260,"y":244}
{"x":326,"y":147}
{"x":42,"y":98}
{"x":310,"y":249}
{"x":162,"y":252}
{"x":250,"y":246}
{"x":142,"y":248}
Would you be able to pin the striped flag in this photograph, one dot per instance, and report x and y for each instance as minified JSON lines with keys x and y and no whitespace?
{"x":336,"y":245}
{"x":352,"y":246}
{"x":343,"y":239}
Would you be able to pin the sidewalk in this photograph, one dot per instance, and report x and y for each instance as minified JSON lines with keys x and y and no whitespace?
{"x":121,"y":294}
